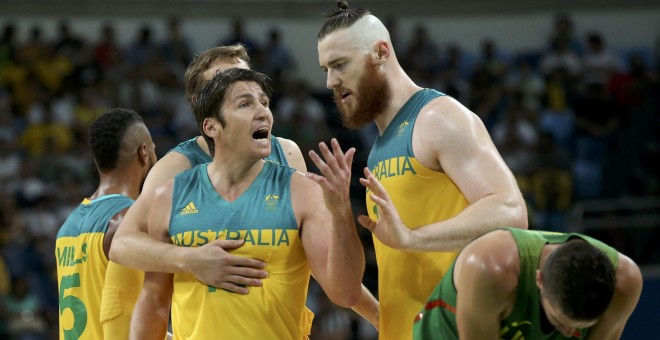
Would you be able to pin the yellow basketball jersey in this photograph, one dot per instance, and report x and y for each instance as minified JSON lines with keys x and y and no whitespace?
{"x":421,"y":196}
{"x":263,"y":217}
{"x":81,"y":266}
{"x":120,"y":293}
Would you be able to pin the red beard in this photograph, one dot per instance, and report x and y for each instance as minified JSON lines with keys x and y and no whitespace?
{"x":374,"y":96}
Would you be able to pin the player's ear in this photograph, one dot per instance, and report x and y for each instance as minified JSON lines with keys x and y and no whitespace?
{"x":143,"y":154}
{"x":211,"y":126}
{"x":382,"y":51}
{"x":539,"y":279}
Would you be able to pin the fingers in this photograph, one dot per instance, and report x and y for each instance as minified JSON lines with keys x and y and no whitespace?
{"x":334,"y":161}
{"x":228,"y":244}
{"x":366,"y":222}
{"x":232,"y":287}
{"x":331,"y":160}
{"x":374,"y":185}
{"x":344,"y":160}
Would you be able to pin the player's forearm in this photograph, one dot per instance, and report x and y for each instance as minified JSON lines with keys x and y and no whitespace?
{"x":487,"y":214}
{"x":149,"y":320}
{"x":147,"y":253}
{"x":367,"y":307}
{"x":345,"y":266}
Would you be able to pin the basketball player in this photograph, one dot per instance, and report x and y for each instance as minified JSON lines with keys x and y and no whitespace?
{"x":123,"y":153}
{"x":211,"y":264}
{"x":447,"y":182}
{"x":286,"y":220}
{"x":520,"y":284}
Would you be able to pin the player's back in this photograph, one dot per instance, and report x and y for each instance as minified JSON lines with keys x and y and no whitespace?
{"x":81,"y":265}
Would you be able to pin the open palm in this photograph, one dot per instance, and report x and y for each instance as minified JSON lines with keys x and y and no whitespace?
{"x":389,"y":228}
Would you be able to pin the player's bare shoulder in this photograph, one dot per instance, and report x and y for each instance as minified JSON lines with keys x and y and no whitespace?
{"x":293,"y":154}
{"x":494,"y":254}
{"x":446,"y":117}
{"x":166,"y":168}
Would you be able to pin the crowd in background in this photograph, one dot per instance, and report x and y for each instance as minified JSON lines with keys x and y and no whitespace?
{"x":574,"y":121}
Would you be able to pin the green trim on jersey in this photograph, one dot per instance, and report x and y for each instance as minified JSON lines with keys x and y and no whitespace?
{"x":197,"y":156}
{"x":93,"y":217}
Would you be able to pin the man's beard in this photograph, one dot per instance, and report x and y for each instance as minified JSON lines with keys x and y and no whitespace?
{"x":374,"y":96}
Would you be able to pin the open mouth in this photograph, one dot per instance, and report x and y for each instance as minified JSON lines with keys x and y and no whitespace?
{"x":261,"y":134}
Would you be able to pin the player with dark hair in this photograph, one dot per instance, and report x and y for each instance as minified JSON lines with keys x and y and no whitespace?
{"x":123,"y":153}
{"x":519,"y":284}
{"x":285,"y":219}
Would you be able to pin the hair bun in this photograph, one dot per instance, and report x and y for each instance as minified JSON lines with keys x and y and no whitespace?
{"x":342,"y":5}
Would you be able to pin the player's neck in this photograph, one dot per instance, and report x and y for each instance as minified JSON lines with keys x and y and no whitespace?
{"x":402,"y":88}
{"x":201,"y":142}
{"x":231,"y":178}
{"x":117,"y":183}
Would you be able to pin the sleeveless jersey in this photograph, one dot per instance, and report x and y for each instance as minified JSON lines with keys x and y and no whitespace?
{"x":421,"y":196}
{"x":81,"y":265}
{"x":263,"y":216}
{"x":121,"y":290}
{"x":438,"y":319}
{"x":196,"y":155}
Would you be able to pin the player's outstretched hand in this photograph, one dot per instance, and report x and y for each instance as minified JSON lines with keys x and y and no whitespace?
{"x":388,"y":228}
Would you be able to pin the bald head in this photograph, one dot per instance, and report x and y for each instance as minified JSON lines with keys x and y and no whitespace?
{"x":368,"y":31}
{"x":359,"y":22}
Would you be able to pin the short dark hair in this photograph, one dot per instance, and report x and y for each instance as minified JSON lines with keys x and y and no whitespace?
{"x":579,"y":279}
{"x":344,"y":17}
{"x":193,"y":79}
{"x":212,"y":95}
{"x":106,"y":135}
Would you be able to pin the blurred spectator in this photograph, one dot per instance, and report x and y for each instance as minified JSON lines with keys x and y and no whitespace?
{"x":45,"y":128}
{"x":552,"y":186}
{"x":7,"y":43}
{"x":238,"y":36}
{"x":560,"y":57}
{"x":176,"y":47}
{"x":491,"y":61}
{"x":301,"y":117}
{"x":67,"y":44}
{"x":278,"y":61}
{"x":26,"y":320}
{"x":595,"y":119}
{"x":529,"y":84}
{"x":599,"y":63}
{"x":559,"y":121}
{"x":422,"y":58}
{"x":563,"y":31}
{"x":487,"y":98}
{"x":515,"y":137}
{"x":142,"y":49}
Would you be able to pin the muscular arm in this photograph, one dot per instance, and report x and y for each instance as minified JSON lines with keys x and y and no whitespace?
{"x":333,"y":249}
{"x":151,"y":314}
{"x":367,"y":307}
{"x":486,"y":277}
{"x":112,"y":230}
{"x":448,"y":137}
{"x":134,"y":247}
{"x":626,"y":296}
{"x":293,"y":154}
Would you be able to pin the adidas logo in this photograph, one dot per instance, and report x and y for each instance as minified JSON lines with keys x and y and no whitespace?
{"x":189,"y":209}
